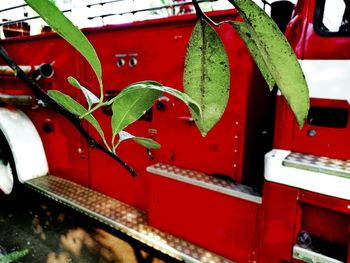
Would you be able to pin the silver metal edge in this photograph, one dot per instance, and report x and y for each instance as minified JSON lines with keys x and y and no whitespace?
{"x":220,"y":189}
{"x":311,"y":256}
{"x":317,"y":168}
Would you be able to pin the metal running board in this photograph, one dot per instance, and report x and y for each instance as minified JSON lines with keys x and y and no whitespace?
{"x":122,"y":217}
{"x":206,"y":181}
{"x":320,"y":164}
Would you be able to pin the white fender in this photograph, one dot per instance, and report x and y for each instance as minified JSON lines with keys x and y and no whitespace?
{"x":26,"y":147}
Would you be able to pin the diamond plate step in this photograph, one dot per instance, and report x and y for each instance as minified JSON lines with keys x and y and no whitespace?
{"x":206,"y":181}
{"x":320,"y":164}
{"x":122,"y":217}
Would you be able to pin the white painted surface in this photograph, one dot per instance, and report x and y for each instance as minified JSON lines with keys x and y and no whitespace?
{"x":6,"y":178}
{"x":328,"y":79}
{"x":312,"y":181}
{"x":26,"y":146}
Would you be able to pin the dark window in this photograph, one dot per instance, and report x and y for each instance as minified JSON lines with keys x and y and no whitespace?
{"x":332,"y":17}
{"x":328,"y":117}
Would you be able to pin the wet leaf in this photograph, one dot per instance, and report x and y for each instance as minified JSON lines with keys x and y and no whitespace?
{"x":89,"y":96}
{"x":146,"y":142}
{"x":207,"y":75}
{"x":252,"y":44}
{"x":65,"y":28}
{"x":278,"y":56}
{"x":76,"y":108}
{"x":130,"y":105}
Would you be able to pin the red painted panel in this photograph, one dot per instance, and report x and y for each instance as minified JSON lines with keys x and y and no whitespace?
{"x":278,"y":220}
{"x":309,"y":44}
{"x":296,"y":29}
{"x":332,"y":203}
{"x":331,"y":142}
{"x":284,"y":125}
{"x":224,"y":143}
{"x":327,"y":220}
{"x":221,"y":152}
{"x":323,"y":47}
{"x":325,"y":224}
{"x":221,"y":223}
{"x":110,"y":178}
{"x":325,"y":141}
{"x":160,"y":48}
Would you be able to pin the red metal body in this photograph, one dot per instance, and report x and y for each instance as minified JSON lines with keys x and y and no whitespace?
{"x":241,"y":230}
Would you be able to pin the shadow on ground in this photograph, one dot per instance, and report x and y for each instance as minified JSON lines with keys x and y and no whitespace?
{"x":55,"y":234}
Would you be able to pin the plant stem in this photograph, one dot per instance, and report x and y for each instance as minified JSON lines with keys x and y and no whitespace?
{"x":101,"y":93}
{"x":42,"y":95}
{"x":96,"y":107}
{"x":202,"y":15}
{"x":116,"y":146}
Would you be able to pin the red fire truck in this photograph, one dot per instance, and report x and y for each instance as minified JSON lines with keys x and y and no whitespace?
{"x":255,"y":189}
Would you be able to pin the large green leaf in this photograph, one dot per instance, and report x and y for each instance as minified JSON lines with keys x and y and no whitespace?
{"x":192,"y":104}
{"x":251,"y":42}
{"x":75,"y":108}
{"x":129,"y":106}
{"x":65,"y":28}
{"x":207,"y":75}
{"x":278,"y":56}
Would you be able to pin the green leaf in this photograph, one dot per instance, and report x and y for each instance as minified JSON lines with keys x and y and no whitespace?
{"x":89,"y":96}
{"x":251,"y":42}
{"x":14,"y":256}
{"x":207,"y":75}
{"x":278,"y":56}
{"x":192,"y":104}
{"x":129,"y":106}
{"x":146,"y":142}
{"x":65,"y":28}
{"x":76,"y":108}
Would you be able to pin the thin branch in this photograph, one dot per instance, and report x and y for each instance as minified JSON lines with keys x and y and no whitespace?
{"x":42,"y":95}
{"x":202,"y":15}
{"x":92,"y":109}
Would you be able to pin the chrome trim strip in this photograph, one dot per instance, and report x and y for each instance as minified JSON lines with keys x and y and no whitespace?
{"x":310,"y":256}
{"x":17,"y":100}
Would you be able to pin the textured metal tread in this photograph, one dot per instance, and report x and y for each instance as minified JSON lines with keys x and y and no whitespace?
{"x":310,"y":256}
{"x":319,"y":164}
{"x":120,"y":216}
{"x":206,"y":181}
